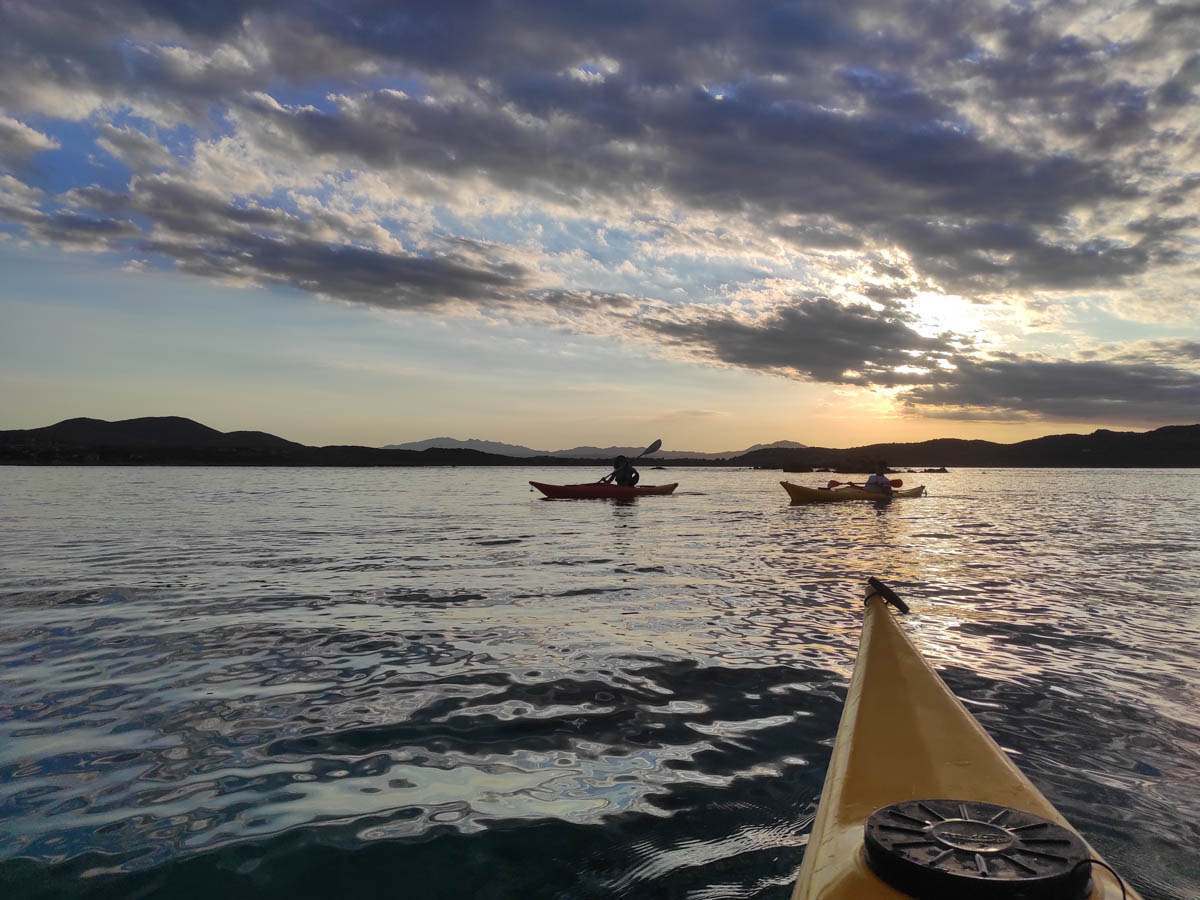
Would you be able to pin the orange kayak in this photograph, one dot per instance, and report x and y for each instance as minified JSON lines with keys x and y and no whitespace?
{"x":599,"y":491}
{"x":919,"y":801}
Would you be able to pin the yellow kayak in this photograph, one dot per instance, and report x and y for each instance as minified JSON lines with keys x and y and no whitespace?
{"x":918,"y":794}
{"x":801,"y":494}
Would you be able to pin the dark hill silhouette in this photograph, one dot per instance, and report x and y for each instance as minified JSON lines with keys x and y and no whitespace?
{"x":1171,"y":445}
{"x":173,"y":440}
{"x":149,"y":431}
{"x":447,"y":443}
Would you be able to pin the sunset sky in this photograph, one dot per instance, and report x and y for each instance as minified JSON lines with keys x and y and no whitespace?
{"x":562,"y":223}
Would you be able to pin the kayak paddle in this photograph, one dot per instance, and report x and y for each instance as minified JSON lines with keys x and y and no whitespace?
{"x":651,"y":449}
{"x":895,"y":482}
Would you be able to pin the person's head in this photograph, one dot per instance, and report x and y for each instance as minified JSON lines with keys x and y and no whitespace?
{"x":620,"y":462}
{"x":881,"y":469}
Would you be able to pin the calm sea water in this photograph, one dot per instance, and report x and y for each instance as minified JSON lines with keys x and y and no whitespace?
{"x":431,"y":683}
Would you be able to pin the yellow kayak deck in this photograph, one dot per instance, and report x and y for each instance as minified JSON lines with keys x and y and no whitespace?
{"x":802,"y":494}
{"x":905,"y":736}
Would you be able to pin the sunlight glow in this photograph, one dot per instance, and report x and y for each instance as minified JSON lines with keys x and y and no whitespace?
{"x":938,"y":313}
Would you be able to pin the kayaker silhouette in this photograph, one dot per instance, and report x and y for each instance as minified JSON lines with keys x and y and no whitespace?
{"x":879,"y":482}
{"x":623,"y":473}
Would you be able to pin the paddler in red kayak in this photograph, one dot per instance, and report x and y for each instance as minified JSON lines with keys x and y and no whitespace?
{"x":623,"y":473}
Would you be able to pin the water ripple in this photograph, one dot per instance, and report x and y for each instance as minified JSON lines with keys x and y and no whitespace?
{"x":279,"y":682}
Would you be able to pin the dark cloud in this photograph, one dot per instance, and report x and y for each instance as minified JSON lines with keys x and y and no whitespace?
{"x":22,"y":205}
{"x":1159,"y":227}
{"x":815,"y":339}
{"x":355,"y":274}
{"x":906,"y":59}
{"x":1002,"y":151}
{"x":206,"y":235}
{"x":72,"y":229}
{"x":975,"y":216}
{"x":1181,"y":192}
{"x":211,"y":18}
{"x":184,"y":208}
{"x":1178,"y":352}
{"x":1102,"y":391}
{"x":1180,"y":89}
{"x":977,"y":257}
{"x":833,"y":343}
{"x":818,"y":237}
{"x":850,"y":112}
{"x":886,"y":294}
{"x":576,"y":302}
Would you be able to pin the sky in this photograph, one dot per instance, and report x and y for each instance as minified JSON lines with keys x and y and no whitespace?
{"x":552,"y":224}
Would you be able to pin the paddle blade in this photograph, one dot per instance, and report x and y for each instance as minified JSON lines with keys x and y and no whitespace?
{"x":832,"y":484}
{"x":653,"y":448}
{"x":897,"y":482}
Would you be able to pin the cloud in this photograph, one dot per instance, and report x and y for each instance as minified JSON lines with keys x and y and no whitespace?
{"x":884,"y":132}
{"x":207,"y":235}
{"x":1178,"y":352}
{"x":756,"y":170}
{"x":1102,"y":391}
{"x":19,"y":142}
{"x":815,"y":339}
{"x":973,"y":216}
{"x":344,"y":272}
{"x":19,"y":202}
{"x":82,"y":232}
{"x":22,"y":204}
{"x":135,"y":148}
{"x":677,"y":415}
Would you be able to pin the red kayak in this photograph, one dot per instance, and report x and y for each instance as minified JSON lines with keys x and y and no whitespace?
{"x":600,"y":491}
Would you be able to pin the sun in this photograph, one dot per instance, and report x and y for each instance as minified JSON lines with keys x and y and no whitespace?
{"x":938,"y":313}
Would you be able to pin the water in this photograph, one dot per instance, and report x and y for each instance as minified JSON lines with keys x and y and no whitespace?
{"x":430,"y":683}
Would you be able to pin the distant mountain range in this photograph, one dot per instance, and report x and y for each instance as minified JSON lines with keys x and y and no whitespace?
{"x":1171,"y":445}
{"x":154,"y":431}
{"x":578,"y":452}
{"x":172,"y":440}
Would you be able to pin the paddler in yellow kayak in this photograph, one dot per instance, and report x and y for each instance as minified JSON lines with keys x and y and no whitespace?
{"x":879,"y":482}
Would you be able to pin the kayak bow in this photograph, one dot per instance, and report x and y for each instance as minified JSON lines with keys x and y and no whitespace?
{"x":801,"y":494}
{"x":600,"y":491}
{"x":915,"y":790}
